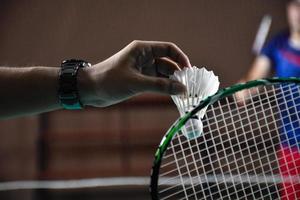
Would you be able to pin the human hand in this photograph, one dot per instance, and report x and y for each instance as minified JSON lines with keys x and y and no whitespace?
{"x":242,"y":97}
{"x":142,"y":66}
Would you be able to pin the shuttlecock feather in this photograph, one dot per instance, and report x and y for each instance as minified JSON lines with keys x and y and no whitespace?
{"x":200,"y":84}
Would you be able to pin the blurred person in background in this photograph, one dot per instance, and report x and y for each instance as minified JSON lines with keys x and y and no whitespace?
{"x":282,"y":56}
{"x":142,"y":66}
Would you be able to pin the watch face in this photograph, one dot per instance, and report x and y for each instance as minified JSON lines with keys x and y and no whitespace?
{"x":79,"y":62}
{"x":86,"y":64}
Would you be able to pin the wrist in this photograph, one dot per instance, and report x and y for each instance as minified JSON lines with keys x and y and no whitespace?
{"x":85,"y":85}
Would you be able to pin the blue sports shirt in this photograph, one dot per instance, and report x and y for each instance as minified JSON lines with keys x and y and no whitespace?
{"x":285,"y":61}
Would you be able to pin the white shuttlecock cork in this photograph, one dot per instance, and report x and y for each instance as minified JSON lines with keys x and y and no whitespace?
{"x":200,"y":84}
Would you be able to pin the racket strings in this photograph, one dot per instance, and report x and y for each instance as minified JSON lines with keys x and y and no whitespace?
{"x":224,"y":125}
{"x":199,"y":160}
{"x":186,"y":180}
{"x":268,"y":130}
{"x":236,"y":157}
{"x":225,"y":149}
{"x":286,"y":162}
{"x":191,"y":103}
{"x":204,"y":157}
{"x":249,"y":116}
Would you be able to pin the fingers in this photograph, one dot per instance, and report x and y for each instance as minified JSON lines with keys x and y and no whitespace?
{"x":163,"y":49}
{"x":242,"y":97}
{"x":239,"y":96}
{"x":162,"y":58}
{"x":167,"y":49}
{"x":166,"y":66}
{"x":160,"y":85}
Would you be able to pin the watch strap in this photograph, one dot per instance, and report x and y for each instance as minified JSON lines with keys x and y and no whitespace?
{"x":68,"y":91}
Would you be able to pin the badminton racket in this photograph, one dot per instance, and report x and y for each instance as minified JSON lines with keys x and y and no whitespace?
{"x":262,"y":33}
{"x":246,"y":151}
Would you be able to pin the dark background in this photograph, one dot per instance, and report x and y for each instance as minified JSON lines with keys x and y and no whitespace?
{"x":118,"y":140}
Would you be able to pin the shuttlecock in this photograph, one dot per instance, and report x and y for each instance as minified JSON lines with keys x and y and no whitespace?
{"x":200,"y":84}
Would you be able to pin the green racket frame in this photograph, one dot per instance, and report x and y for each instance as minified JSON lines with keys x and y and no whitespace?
{"x":175,"y":128}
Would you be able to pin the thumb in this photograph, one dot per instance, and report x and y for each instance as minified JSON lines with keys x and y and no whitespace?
{"x":160,"y":85}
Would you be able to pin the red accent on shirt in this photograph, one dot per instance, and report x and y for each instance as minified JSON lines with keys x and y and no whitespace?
{"x":291,"y":57}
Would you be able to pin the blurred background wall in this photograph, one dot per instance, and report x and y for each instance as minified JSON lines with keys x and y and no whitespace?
{"x":118,"y":140}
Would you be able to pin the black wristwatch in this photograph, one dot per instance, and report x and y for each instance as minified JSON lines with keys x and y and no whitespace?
{"x":68,"y":91}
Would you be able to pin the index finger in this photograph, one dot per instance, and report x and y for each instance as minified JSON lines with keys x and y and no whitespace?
{"x":170,"y":50}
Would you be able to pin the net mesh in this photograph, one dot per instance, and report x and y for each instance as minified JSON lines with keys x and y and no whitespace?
{"x":246,"y":151}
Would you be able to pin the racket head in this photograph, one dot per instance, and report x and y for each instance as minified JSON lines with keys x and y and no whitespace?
{"x":174,"y":134}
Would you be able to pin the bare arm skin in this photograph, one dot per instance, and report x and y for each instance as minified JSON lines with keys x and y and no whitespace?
{"x":261,"y":68}
{"x":28,"y":90}
{"x":139,"y":67}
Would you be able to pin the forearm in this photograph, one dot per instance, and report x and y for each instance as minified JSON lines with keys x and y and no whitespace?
{"x":28,"y":90}
{"x":34,"y":90}
{"x":260,"y":69}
